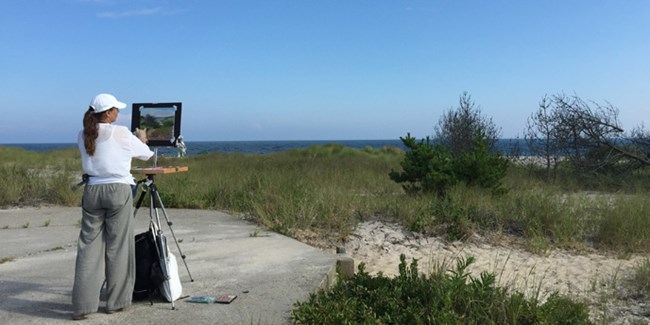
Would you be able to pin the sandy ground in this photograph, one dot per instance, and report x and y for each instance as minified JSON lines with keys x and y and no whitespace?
{"x":592,"y":277}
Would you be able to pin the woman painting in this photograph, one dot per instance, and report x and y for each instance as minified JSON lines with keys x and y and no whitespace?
{"x":106,"y":248}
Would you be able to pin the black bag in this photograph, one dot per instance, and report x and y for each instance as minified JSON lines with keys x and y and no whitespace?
{"x":148,"y":275}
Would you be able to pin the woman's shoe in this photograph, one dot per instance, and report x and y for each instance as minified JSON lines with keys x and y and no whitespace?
{"x":114,"y":311}
{"x":79,"y":316}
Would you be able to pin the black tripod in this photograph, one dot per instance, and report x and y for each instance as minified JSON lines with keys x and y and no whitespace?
{"x":148,"y":185}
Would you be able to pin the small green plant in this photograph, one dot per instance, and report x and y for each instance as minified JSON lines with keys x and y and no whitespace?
{"x":6,"y":260}
{"x":46,"y":223}
{"x":641,"y":278}
{"x":453,"y":217}
{"x":257,"y":233}
{"x":26,"y":225}
{"x":562,"y":310}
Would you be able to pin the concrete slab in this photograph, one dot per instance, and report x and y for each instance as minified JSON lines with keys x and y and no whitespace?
{"x":225,"y":255}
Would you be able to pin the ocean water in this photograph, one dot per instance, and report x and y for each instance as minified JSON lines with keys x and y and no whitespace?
{"x":505,"y":146}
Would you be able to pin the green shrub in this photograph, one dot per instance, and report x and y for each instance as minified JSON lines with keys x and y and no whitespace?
{"x":479,"y":167}
{"x":433,"y":168}
{"x":452,"y":297}
{"x":426,"y":168}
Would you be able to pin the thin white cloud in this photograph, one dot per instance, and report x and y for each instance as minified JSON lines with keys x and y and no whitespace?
{"x":94,"y":1}
{"x":131,"y":13}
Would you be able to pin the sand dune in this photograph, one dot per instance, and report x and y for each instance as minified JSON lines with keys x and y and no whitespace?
{"x":589,"y":276}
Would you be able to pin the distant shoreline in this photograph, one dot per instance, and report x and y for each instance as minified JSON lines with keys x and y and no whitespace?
{"x":506,"y":146}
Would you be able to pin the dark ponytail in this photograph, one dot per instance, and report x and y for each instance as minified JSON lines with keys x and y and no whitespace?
{"x":91,"y":130}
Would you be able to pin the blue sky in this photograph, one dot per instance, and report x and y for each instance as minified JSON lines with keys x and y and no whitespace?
{"x":316,"y":70}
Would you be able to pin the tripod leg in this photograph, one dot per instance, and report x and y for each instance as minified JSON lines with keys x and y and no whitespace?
{"x":161,"y":242}
{"x":138,"y":204}
{"x":162,"y":207}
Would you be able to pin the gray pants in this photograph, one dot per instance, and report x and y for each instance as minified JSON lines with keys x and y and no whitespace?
{"x":106,"y":248}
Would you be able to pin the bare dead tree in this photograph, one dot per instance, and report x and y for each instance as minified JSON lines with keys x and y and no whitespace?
{"x":588,"y":134}
{"x":640,"y":137}
{"x":540,"y":134}
{"x":635,"y":147}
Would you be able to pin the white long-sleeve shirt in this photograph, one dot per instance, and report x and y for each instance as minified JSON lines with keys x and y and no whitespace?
{"x":115,"y":147}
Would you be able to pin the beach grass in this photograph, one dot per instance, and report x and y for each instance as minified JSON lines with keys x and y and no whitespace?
{"x":328,"y":189}
{"x":641,"y":279}
{"x":30,"y":178}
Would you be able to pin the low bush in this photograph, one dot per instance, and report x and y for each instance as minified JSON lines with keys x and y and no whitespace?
{"x":453,"y":297}
{"x":429,"y":167}
{"x":426,"y":167}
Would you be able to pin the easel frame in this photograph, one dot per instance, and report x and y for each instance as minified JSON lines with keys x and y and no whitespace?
{"x":155,"y":204}
{"x":156,"y":118}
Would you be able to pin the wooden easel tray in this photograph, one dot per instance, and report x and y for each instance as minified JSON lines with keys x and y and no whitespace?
{"x":159,"y":170}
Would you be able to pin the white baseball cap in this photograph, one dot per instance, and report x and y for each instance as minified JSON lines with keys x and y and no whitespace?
{"x":104,"y":102}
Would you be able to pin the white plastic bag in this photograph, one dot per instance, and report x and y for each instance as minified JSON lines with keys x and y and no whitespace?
{"x":171,"y":289}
